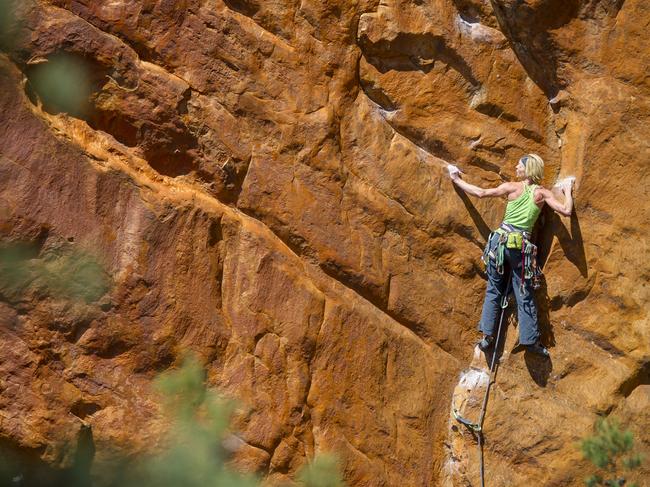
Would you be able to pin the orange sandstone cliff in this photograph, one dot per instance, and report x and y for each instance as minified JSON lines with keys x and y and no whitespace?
{"x":264,"y":184}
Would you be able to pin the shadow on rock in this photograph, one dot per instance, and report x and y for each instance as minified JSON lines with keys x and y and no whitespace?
{"x":539,"y":367}
{"x":415,"y":52}
{"x":571,"y":242}
{"x":573,"y":245}
{"x":481,"y":226}
{"x":544,"y":314}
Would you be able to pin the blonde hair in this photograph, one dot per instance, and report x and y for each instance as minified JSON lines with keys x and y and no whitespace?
{"x":534,"y":167}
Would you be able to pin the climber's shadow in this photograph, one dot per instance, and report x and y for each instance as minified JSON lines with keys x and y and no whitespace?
{"x":550,"y":225}
{"x":543,"y":302}
{"x":482,"y":227}
{"x":539,"y":367}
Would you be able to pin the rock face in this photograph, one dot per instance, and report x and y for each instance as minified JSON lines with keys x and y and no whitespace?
{"x":264,"y":184}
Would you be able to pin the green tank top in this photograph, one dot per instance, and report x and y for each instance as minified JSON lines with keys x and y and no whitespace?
{"x":523,"y":212}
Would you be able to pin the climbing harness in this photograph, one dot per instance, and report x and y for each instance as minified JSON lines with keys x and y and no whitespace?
{"x":513,"y":238}
{"x":477,"y":428}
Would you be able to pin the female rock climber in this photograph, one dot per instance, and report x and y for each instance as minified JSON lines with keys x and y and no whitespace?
{"x":509,"y":250}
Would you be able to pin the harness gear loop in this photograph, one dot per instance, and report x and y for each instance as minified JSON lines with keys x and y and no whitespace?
{"x":497,"y":253}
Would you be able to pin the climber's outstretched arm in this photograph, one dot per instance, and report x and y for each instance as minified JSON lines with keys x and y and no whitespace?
{"x":501,"y":190}
{"x":563,"y":209}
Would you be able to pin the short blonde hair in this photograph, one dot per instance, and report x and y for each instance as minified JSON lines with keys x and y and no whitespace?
{"x":534,"y":167}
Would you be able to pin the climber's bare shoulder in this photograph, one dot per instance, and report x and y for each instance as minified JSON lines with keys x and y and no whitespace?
{"x":504,"y":189}
{"x":543,"y":195}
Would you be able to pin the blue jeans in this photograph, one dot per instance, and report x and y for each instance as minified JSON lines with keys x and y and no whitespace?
{"x":496,"y":288}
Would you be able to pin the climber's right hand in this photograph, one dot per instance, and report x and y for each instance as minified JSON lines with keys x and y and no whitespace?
{"x":454,"y":172}
{"x":567,"y":186}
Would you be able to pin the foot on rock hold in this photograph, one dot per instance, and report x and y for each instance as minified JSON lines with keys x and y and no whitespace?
{"x":539,"y":349}
{"x":486,"y":343}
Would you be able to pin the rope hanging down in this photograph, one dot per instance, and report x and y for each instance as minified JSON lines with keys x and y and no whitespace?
{"x":477,"y":428}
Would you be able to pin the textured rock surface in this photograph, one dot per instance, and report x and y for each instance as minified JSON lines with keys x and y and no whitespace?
{"x":264,"y":184}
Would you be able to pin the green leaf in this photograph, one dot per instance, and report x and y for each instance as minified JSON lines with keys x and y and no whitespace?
{"x":605,"y":450}
{"x":63,"y":84}
{"x":322,"y":472}
{"x":593,"y":481}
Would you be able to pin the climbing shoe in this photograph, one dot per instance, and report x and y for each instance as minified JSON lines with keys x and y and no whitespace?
{"x":486,"y":343}
{"x":538,"y":349}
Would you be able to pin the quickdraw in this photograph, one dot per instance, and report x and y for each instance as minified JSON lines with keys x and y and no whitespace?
{"x":465,"y":422}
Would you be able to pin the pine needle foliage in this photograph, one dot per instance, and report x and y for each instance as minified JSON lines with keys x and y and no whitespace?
{"x":611,"y":451}
{"x":62,"y":274}
{"x":8,"y":24}
{"x":322,"y":472}
{"x":193,"y":455}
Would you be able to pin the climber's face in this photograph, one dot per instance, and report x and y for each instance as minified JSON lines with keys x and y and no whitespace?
{"x":520,"y":170}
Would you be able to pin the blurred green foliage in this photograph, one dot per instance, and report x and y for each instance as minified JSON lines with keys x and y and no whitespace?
{"x":62,"y":82}
{"x":194,"y":456}
{"x":610,"y":449}
{"x":323,"y":471}
{"x":8,"y":24}
{"x":60,"y":274}
{"x":193,"y":452}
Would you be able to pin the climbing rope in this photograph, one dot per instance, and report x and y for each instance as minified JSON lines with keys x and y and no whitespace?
{"x":477,"y":428}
